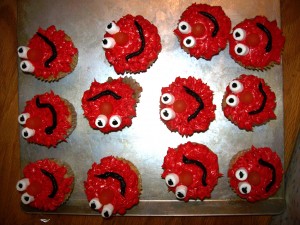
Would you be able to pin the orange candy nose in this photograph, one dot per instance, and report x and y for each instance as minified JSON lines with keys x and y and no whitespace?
{"x":33,"y":122}
{"x":186,"y":178}
{"x":34,"y":188}
{"x":106,"y":108}
{"x":246,"y":97}
{"x":198,"y":30}
{"x":106,"y":196}
{"x":252,"y":40}
{"x":254,"y":178}
{"x":179,"y":106}
{"x":121,"y":38}
{"x":34,"y":55}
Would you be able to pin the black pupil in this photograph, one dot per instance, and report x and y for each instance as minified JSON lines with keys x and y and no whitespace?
{"x":241,"y":174}
{"x":166,"y":98}
{"x":239,"y":50}
{"x":109,"y":26}
{"x":104,"y":41}
{"x":20,"y":185}
{"x":231,"y":100}
{"x":100,"y":124}
{"x":183,"y":27}
{"x":234,"y":85}
{"x":188,"y":41}
{"x":22,"y":119}
{"x":93,"y":205}
{"x":170,"y":182}
{"x":21,"y":50}
{"x":244,"y":190}
{"x":180,"y":195}
{"x":25,"y":133}
{"x":24,"y":66}
{"x":26,"y":198}
{"x":115,"y":122}
{"x":166,"y":114}
{"x":237,"y":34}
{"x":106,"y":214}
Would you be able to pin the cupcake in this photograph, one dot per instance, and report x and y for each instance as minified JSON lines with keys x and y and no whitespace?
{"x":186,"y":106}
{"x":203,"y":30}
{"x":113,"y":186}
{"x":191,"y":171}
{"x":131,"y":44}
{"x":50,"y":55}
{"x":110,"y":106}
{"x":255,"y":174}
{"x":256,"y":43}
{"x":47,"y":184}
{"x":248,"y":102}
{"x":47,"y":119}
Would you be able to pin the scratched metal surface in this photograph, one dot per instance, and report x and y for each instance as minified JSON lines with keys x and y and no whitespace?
{"x":145,"y":143}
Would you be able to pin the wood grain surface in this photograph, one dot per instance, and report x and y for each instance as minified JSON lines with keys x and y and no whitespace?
{"x":10,"y":211}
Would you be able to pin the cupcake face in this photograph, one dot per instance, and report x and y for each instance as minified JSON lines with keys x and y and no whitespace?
{"x":186,"y":106}
{"x":203,"y":30}
{"x":256,"y":43}
{"x":248,"y":102}
{"x":256,"y":174}
{"x":47,"y":120}
{"x":112,"y":186}
{"x":191,"y":171}
{"x":49,"y":53}
{"x":131,"y":44}
{"x":45,"y":185}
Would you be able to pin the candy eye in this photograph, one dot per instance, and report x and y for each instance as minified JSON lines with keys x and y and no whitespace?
{"x":236,"y":86}
{"x":241,"y":49}
{"x":244,"y":188}
{"x":189,"y":42}
{"x":22,"y":52}
{"x":108,"y":42}
{"x":232,"y":100}
{"x":112,"y":28}
{"x":27,"y":132}
{"x":26,"y":66}
{"x":22,"y":184}
{"x":107,"y":210}
{"x":115,"y":121}
{"x":184,"y":27}
{"x":241,"y":174}
{"x":95,"y":204}
{"x":26,"y":198}
{"x":167,"y":99}
{"x":181,"y":191}
{"x":239,"y":34}
{"x":167,"y":114}
{"x":23,"y":117}
{"x":172,"y":179}
{"x":101,"y":121}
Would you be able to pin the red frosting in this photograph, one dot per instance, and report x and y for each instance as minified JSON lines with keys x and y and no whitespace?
{"x":173,"y":163}
{"x":263,"y":175}
{"x":116,"y":55}
{"x":43,"y":185}
{"x":250,"y":99}
{"x":40,"y":118}
{"x":124,"y":107}
{"x":257,"y":56}
{"x":180,"y":123}
{"x":65,"y":53}
{"x":95,"y":186}
{"x":206,"y":45}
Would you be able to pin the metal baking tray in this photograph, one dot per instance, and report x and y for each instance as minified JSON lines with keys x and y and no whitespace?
{"x":145,"y":143}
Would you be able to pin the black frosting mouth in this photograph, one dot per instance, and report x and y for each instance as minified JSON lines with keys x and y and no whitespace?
{"x":143,"y":42}
{"x":115,"y":176}
{"x":53,"y":181}
{"x":270,"y":166}
{"x":263,"y":104}
{"x":200,"y":165}
{"x":269,"y":35}
{"x":53,"y":49}
{"x":105,"y":93}
{"x":214,"y":21}
{"x":198,"y":99}
{"x":49,"y":129}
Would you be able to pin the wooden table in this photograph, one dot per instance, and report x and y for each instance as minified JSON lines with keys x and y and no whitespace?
{"x":10,"y":211}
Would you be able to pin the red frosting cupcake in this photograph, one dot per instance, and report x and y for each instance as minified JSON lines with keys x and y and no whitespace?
{"x":187,"y":106}
{"x":203,"y":30}
{"x":46,"y":185}
{"x":131,"y":44}
{"x":49,"y":56}
{"x":255,"y":174}
{"x":256,"y":43}
{"x":113,"y":186}
{"x":249,"y":101}
{"x":191,"y":171}
{"x":110,"y":106}
{"x":47,"y":119}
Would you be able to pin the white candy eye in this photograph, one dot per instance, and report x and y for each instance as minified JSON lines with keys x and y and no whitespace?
{"x":184,"y":27}
{"x":112,"y":28}
{"x":241,"y":49}
{"x":22,"y":184}
{"x":101,"y":121}
{"x":26,"y":198}
{"x":115,"y":121}
{"x":167,"y":99}
{"x":27,"y":132}
{"x":22,"y":52}
{"x":232,"y":100}
{"x":108,"y":42}
{"x":181,"y":191}
{"x":107,"y":210}
{"x":23,"y":117}
{"x":26,"y":66}
{"x":244,"y":188}
{"x":167,"y":114}
{"x":172,"y":179}
{"x":239,"y":34}
{"x":189,"y":42}
{"x":241,"y":174}
{"x":236,"y":86}
{"x":95,"y":204}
